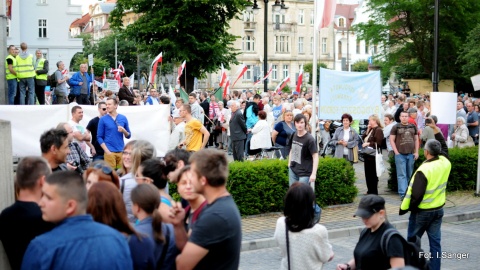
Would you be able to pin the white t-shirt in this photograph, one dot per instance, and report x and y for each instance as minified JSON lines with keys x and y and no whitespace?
{"x":346,"y":136}
{"x":81,"y":129}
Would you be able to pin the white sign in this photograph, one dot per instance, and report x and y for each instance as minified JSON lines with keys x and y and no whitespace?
{"x":90,"y":59}
{"x":111,"y":85}
{"x":444,"y":107}
{"x":476,"y":82}
{"x":29,"y":122}
{"x":355,"y":93}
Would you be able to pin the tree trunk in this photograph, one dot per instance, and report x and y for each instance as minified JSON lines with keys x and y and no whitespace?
{"x":190,"y":81}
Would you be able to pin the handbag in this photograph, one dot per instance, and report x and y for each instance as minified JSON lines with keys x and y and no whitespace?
{"x":367,"y":151}
{"x":355,"y":154}
{"x":379,"y":164}
{"x":469,"y":142}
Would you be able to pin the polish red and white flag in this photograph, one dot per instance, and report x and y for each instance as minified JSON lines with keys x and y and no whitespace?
{"x":223,"y":76}
{"x":299,"y":80}
{"x":154,"y":65}
{"x":282,"y":84}
{"x":243,"y":68}
{"x":180,"y":70}
{"x":265,"y":77}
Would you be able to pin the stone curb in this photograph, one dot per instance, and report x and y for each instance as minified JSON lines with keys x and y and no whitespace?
{"x":354,"y":231}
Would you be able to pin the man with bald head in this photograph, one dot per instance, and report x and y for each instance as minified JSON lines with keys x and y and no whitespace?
{"x":126,"y":93}
{"x":80,"y":85}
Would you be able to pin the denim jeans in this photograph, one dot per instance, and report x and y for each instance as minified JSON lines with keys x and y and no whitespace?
{"x":12,"y":90}
{"x":24,"y":83}
{"x":430,"y":222}
{"x":293,"y":177}
{"x":97,"y":157}
{"x":404,"y":166}
{"x":247,"y":143}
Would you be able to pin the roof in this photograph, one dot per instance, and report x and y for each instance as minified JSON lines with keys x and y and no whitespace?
{"x":106,"y":26}
{"x":107,"y":7}
{"x":81,"y":22}
{"x":346,"y":11}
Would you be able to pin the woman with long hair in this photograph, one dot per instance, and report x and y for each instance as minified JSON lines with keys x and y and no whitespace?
{"x":106,"y":206}
{"x":100,"y":171}
{"x":373,"y":138}
{"x":155,"y":172}
{"x":282,"y":131}
{"x":303,"y":243}
{"x":345,"y":139}
{"x":368,"y":253}
{"x":145,"y":204}
{"x":141,"y":151}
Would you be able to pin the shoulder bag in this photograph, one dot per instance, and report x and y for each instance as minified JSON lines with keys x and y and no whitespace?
{"x":379,"y":164}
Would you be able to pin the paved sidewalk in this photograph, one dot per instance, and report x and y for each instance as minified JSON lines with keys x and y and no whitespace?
{"x":257,"y":231}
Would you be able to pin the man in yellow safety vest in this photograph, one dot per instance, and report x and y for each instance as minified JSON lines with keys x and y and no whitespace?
{"x":41,"y":70}
{"x":26,"y":75}
{"x":11,"y":76}
{"x":425,"y":198}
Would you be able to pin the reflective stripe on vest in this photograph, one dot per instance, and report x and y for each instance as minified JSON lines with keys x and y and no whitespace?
{"x":25,"y":67}
{"x":437,"y":173}
{"x":40,"y":67}
{"x":10,"y":76}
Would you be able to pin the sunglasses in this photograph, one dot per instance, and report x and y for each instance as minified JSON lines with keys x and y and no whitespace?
{"x":105,"y":169}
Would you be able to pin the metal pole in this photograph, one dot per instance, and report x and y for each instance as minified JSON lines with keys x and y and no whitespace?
{"x":116,"y":60}
{"x":477,"y":193}
{"x":314,"y":74}
{"x":435,"y":48}
{"x":265,"y":46}
{"x":3,"y":55}
{"x":138,"y":70}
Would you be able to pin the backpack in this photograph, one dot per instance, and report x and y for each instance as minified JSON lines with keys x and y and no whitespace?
{"x":51,"y":80}
{"x":412,"y":252}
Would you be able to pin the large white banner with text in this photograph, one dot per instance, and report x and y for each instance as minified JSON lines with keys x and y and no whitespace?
{"x":356,"y":93}
{"x":29,"y":122}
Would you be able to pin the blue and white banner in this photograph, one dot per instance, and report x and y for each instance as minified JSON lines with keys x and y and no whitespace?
{"x":356,"y":93}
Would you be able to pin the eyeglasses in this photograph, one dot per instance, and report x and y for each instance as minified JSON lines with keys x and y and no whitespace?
{"x":126,"y":153}
{"x":105,"y":169}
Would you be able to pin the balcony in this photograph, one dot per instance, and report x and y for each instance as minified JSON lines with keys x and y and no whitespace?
{"x":249,"y":26}
{"x":287,"y":27}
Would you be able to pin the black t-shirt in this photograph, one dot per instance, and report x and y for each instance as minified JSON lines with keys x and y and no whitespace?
{"x":19,"y":224}
{"x":9,"y":62}
{"x":368,"y":253}
{"x":219,"y":230}
{"x":93,"y":127}
{"x":301,"y":161}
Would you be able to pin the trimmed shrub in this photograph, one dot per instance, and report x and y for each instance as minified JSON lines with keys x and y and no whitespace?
{"x":463,"y":174}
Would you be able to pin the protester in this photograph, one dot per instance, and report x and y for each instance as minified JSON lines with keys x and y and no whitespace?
{"x":175,"y":160}
{"x":126,"y":160}
{"x":389,"y":122}
{"x":303,"y":243}
{"x":368,"y":253}
{"x":303,"y":157}
{"x":196,"y":135}
{"x":21,"y":222}
{"x":178,"y":133}
{"x":77,"y":158}
{"x":80,"y":85}
{"x":41,"y":72}
{"x":216,"y":237}
{"x":145,"y":204}
{"x":97,"y":151}
{"x":77,"y":242}
{"x":460,"y":136}
{"x":373,"y":138}
{"x":222,"y":114}
{"x":153,"y":98}
{"x":345,"y":139}
{"x":100,"y":171}
{"x":282,"y":132}
{"x":61,"y":89}
{"x":425,"y":198}
{"x":54,"y":146}
{"x":472,"y":122}
{"x":126,"y":93}
{"x":261,"y":133}
{"x":238,"y":131}
{"x":106,"y":207}
{"x":251,"y":118}
{"x":80,"y":134}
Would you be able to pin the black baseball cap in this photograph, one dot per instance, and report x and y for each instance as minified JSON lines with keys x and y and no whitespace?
{"x":369,"y":205}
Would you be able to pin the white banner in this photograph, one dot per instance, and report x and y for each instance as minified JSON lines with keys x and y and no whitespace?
{"x":29,"y":122}
{"x":356,"y":93}
{"x":111,"y":85}
{"x":476,"y":82}
{"x":444,"y":107}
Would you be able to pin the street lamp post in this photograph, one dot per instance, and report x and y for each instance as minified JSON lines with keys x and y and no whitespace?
{"x":278,"y":6}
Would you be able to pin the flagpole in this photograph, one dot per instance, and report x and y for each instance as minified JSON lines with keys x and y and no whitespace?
{"x":314,"y":75}
{"x":185,"y":68}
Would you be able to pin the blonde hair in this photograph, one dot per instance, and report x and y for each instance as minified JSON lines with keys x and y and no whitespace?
{"x":142,"y":150}
{"x":375,"y":118}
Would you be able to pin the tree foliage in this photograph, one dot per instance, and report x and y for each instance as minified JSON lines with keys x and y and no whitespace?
{"x":406,"y":29}
{"x":470,"y":53}
{"x":195,"y":31}
{"x":360,"y":66}
{"x":309,"y":68}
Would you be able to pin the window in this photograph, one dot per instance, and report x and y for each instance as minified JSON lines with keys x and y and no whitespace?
{"x":312,"y":17}
{"x":341,"y":22}
{"x":274,"y":72}
{"x":249,"y":73}
{"x":281,"y":44}
{"x":311,"y":45}
{"x":42,"y":28}
{"x":375,"y":49}
{"x":358,"y":46}
{"x":285,"y":71}
{"x":8,"y":28}
{"x":278,"y":18}
{"x":300,"y":45}
{"x":248,"y":16}
{"x":366,"y":47}
{"x":324,"y":45}
{"x":300,"y":16}
{"x":248,"y":44}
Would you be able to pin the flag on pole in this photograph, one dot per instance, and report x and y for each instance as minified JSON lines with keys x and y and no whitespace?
{"x":163,"y":89}
{"x":132,"y":80}
{"x":265,"y":77}
{"x":180,"y":71}
{"x":226,"y":89}
{"x":172,"y":96}
{"x":223,"y":76}
{"x":183,"y":95}
{"x":118,"y":77}
{"x":243,"y":68}
{"x":104,"y":76}
{"x":120,"y":67}
{"x":299,"y":80}
{"x":325,"y":12}
{"x":282,"y":84}
{"x":154,"y":65}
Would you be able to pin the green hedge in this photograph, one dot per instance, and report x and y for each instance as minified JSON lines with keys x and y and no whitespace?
{"x":462,"y":176}
{"x":259,"y":186}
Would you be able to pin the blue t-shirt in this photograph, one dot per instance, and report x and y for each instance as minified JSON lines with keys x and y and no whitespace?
{"x":277,"y":111}
{"x":471,"y":118}
{"x":108,"y":132}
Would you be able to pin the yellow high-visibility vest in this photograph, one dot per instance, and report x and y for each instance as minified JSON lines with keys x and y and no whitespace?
{"x":25,"y":67}
{"x":40,"y":67}
{"x":10,"y":76}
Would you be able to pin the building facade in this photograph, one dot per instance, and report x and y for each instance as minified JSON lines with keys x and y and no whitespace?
{"x":44,"y":25}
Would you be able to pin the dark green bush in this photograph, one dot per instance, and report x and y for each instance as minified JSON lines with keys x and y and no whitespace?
{"x":462,"y":176}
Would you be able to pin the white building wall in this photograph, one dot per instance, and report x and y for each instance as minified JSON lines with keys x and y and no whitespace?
{"x":59,"y":14}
